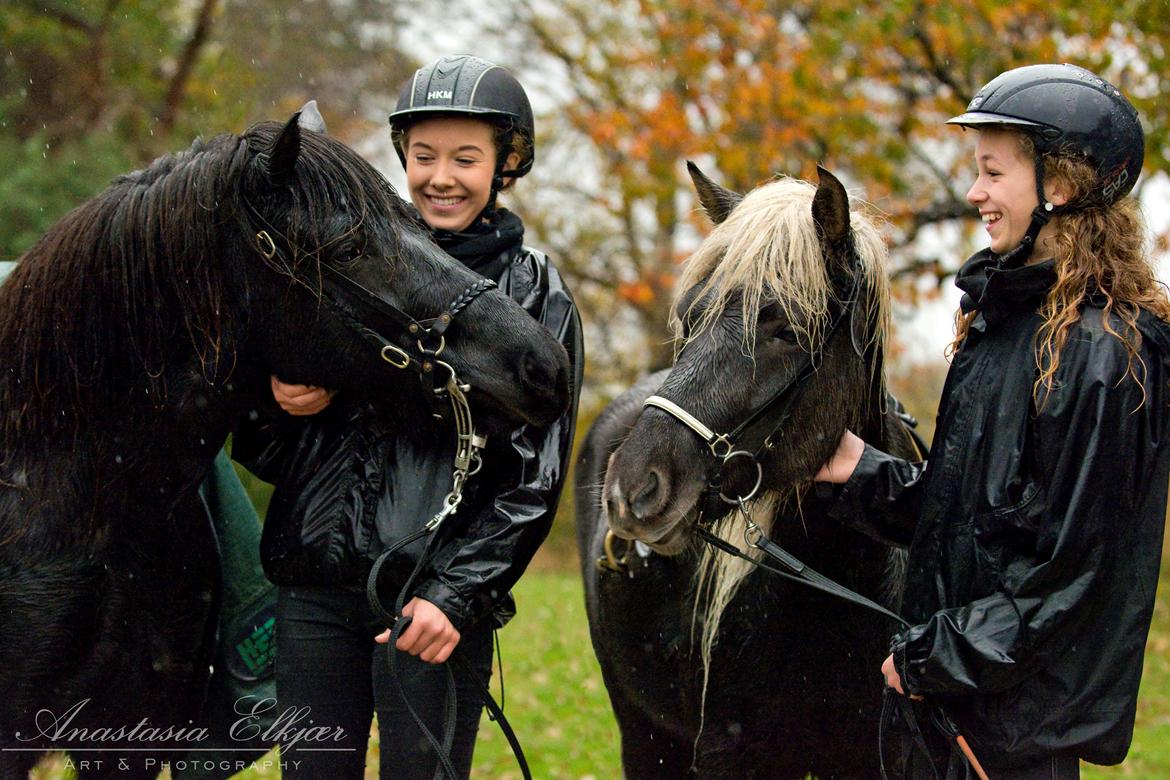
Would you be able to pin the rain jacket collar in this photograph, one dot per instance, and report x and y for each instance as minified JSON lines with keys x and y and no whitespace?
{"x":997,"y":292}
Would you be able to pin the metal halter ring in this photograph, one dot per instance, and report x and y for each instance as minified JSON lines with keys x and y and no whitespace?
{"x":759,"y":478}
{"x":267,"y":245}
{"x":399,"y":353}
{"x":437,"y":352}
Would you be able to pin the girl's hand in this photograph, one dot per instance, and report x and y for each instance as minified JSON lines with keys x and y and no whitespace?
{"x":300,"y":400}
{"x":840,"y":466}
{"x":893,"y":679}
{"x":430,"y":635}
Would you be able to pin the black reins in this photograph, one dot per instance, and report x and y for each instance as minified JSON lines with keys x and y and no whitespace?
{"x":381,"y":323}
{"x":399,"y":623}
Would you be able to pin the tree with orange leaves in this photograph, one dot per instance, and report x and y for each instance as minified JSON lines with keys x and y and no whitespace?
{"x":758,"y":87}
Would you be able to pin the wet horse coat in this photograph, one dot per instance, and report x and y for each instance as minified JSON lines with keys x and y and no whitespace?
{"x":134,"y":336}
{"x":792,"y":682}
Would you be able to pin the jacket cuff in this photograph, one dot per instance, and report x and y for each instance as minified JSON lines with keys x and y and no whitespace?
{"x":909,"y":671}
{"x":851,"y":496}
{"x":460,"y":611}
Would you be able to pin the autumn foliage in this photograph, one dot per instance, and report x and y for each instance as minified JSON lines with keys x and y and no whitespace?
{"x":752,"y":88}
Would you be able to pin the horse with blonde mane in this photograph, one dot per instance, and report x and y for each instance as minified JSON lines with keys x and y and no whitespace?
{"x":714,"y":668}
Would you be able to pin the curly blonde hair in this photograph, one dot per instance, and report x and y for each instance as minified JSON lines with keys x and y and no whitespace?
{"x":1100,"y":249}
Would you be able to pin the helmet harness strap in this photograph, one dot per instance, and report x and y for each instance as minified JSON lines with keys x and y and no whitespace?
{"x":498,"y":176}
{"x":503,"y":150}
{"x":1041,"y":215}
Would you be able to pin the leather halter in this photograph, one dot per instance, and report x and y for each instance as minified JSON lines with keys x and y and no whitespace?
{"x":381,"y":323}
{"x":756,"y":434}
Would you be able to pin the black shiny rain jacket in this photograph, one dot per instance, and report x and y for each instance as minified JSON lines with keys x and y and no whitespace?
{"x":1035,"y":534}
{"x":348,"y":487}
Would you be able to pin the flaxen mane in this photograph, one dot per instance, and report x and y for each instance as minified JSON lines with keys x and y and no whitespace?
{"x":768,"y":251}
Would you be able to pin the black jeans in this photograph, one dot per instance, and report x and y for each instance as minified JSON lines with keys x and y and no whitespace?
{"x":331,"y":677}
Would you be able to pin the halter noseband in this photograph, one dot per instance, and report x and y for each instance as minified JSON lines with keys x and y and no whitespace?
{"x":379,"y":322}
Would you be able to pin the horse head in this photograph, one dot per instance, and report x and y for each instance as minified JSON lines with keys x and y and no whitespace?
{"x":779,"y":316}
{"x":348,"y":291}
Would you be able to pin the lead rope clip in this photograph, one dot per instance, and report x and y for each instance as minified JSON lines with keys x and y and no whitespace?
{"x":468,"y":445}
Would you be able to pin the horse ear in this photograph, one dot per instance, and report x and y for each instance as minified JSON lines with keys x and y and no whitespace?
{"x":830,"y":207}
{"x":717,"y":201}
{"x":281,"y":158}
{"x":311,"y":119}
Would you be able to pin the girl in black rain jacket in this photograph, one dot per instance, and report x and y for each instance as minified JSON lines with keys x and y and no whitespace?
{"x":1035,"y":529}
{"x":350,"y":484}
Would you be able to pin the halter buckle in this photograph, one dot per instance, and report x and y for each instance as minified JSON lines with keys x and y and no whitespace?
{"x":389,"y":350}
{"x":721,"y":441}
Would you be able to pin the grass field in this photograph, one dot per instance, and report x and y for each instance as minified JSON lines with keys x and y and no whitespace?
{"x":558,"y":707}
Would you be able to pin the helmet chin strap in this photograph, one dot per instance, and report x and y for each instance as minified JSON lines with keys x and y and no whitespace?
{"x":1041,"y":215}
{"x":498,"y":177}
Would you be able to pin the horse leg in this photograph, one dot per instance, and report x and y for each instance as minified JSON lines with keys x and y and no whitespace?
{"x":650,"y":752}
{"x":647,"y":669}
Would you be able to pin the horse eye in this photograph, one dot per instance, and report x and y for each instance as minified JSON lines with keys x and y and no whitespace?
{"x":787,"y":335}
{"x":777,"y":327}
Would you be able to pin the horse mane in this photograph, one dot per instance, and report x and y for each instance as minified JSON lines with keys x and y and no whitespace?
{"x":108,"y":307}
{"x":768,"y":250}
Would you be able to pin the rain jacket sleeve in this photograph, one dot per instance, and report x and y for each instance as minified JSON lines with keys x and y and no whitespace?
{"x":1094,"y":442}
{"x":474,"y":572}
{"x":881,"y":497}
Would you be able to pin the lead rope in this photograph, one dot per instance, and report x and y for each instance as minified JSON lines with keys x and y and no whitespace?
{"x":468,"y":446}
{"x":797,"y":571}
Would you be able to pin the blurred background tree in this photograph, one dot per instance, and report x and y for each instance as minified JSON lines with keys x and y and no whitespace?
{"x":92,"y":88}
{"x":625,"y":90}
{"x":753,"y":88}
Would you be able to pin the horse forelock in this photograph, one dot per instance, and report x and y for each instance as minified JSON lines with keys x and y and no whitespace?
{"x":341,"y":179}
{"x":768,"y":251}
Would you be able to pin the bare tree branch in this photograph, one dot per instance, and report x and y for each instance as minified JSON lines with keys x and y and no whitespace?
{"x":178,"y":84}
{"x":62,"y":14}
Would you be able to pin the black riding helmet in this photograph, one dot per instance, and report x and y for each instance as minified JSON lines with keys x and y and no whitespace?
{"x":468,"y":86}
{"x":1064,"y":109}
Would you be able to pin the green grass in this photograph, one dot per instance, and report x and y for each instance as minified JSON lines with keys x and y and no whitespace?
{"x":1149,"y":756}
{"x":555,"y":699}
{"x":558,"y":706}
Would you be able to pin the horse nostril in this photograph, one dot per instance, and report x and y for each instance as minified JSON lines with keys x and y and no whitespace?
{"x":537,"y":377}
{"x":647,"y":500}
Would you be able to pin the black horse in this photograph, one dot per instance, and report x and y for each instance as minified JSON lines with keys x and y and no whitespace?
{"x":134,"y":336}
{"x":716,"y":669}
